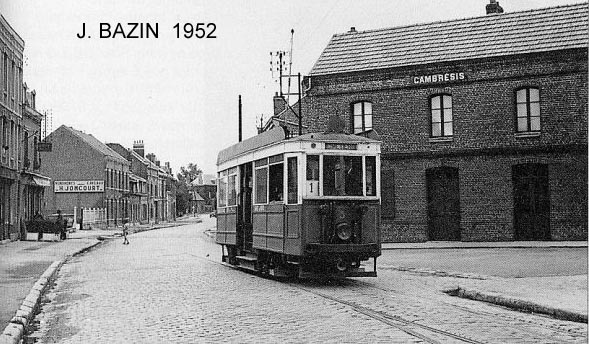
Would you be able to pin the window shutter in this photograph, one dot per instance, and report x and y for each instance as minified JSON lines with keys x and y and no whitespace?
{"x":388,"y":194}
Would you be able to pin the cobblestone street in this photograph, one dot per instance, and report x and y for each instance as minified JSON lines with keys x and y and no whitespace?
{"x":168,"y":286}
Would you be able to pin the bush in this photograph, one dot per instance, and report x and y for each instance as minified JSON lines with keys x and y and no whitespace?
{"x":44,"y":226}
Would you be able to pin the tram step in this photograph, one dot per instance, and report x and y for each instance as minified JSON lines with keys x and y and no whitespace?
{"x":247,"y":258}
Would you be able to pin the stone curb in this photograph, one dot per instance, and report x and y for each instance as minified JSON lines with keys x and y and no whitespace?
{"x":16,"y":329}
{"x":519,"y":305}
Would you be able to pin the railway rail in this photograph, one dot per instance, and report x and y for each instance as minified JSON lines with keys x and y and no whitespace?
{"x":405,"y":315}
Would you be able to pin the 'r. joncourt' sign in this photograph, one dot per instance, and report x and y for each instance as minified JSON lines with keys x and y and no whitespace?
{"x":78,"y":186}
{"x":434,"y":78}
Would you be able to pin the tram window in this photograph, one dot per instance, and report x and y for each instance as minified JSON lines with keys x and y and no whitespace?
{"x":232,"y":190}
{"x":292,"y":180}
{"x":370,"y":176}
{"x":313,"y":175}
{"x":222,"y":191}
{"x":261,"y":186}
{"x":313,"y":167}
{"x":342,"y":175}
{"x":276,"y":183}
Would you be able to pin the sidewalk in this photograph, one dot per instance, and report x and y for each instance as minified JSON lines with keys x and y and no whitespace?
{"x":499,"y":244}
{"x":22,"y":263}
{"x":543,"y":277}
{"x":27,"y":267}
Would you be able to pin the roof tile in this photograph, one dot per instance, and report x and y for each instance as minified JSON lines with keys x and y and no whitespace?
{"x":539,"y":30}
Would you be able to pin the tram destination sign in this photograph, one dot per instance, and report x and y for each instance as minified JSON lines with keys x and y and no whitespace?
{"x":78,"y":186}
{"x":341,"y":146}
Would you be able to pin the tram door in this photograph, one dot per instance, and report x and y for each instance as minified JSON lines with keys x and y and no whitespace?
{"x":245,"y":228}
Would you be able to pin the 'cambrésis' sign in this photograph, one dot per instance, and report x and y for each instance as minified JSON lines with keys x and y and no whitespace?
{"x":436,"y":78}
{"x":78,"y":186}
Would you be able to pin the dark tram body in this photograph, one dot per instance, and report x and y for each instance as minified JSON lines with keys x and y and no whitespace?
{"x":307,"y":206}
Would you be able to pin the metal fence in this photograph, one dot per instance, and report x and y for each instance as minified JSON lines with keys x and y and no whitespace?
{"x":93,"y":218}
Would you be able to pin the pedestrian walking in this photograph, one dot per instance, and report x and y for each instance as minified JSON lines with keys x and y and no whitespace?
{"x":61,"y":225}
{"x":125,"y":233}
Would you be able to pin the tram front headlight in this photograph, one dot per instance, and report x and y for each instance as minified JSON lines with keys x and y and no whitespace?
{"x":343,"y":231}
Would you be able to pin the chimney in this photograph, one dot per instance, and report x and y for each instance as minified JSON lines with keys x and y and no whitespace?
{"x":151,"y":157}
{"x":157,"y":163}
{"x":279,"y":104}
{"x":139,"y":148}
{"x":352,"y":29}
{"x":494,"y":8}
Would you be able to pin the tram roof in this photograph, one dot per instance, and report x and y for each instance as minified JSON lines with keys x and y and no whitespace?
{"x":278,"y":134}
{"x":334,"y":137}
{"x":263,"y":139}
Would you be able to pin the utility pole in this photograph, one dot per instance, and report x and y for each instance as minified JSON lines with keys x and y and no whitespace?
{"x":240,"y":115}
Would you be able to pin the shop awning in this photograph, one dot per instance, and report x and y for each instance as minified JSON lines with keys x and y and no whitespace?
{"x":35,"y":179}
{"x":42,"y":181}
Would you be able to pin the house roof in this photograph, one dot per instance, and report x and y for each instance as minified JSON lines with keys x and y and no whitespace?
{"x":288,"y":116}
{"x":95,"y":144}
{"x":143,"y":160}
{"x":196,"y":196}
{"x":539,"y":30}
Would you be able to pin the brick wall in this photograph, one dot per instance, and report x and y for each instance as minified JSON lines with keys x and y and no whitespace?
{"x":484,"y":146}
{"x":71,"y":159}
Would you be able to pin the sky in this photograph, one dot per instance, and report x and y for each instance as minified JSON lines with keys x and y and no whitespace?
{"x":179,"y":95}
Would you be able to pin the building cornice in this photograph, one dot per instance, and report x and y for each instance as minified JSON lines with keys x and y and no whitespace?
{"x":573,"y":148}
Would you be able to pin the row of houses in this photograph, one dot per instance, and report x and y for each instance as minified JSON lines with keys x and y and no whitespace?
{"x":21,"y":182}
{"x":68,"y":170}
{"x":483,"y":121}
{"x":128,"y":184}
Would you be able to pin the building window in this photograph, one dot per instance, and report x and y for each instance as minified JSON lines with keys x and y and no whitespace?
{"x":362,"y":116}
{"x":5,"y":72}
{"x":441,"y":115}
{"x":528,"y":109}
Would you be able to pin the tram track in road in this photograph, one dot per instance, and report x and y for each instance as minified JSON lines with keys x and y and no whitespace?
{"x":426,"y":333}
{"x":400,"y":316}
{"x":515,"y":317}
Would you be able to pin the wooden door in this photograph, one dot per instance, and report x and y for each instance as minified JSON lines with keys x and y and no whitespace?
{"x":531,"y":213}
{"x":443,"y":204}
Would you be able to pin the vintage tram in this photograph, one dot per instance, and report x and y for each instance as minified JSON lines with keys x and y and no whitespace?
{"x":306,"y":206}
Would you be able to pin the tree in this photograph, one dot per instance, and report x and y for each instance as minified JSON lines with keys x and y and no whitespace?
{"x":182,"y":198}
{"x":185,"y":177}
{"x":190,"y":173}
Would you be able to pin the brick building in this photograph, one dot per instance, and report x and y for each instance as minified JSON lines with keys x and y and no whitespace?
{"x":20,"y":181}
{"x":86,"y":173}
{"x":153,"y":194}
{"x":33,"y":183}
{"x":483,"y":122}
{"x":204,"y":190}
